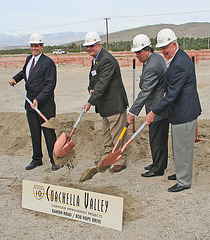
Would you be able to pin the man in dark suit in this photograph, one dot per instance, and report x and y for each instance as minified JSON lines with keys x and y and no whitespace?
{"x":154,"y":68}
{"x":107,"y":95}
{"x":39,"y":73}
{"x":182,"y":101}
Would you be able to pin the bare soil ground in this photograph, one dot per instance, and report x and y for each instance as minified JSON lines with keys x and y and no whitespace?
{"x":150,"y":212}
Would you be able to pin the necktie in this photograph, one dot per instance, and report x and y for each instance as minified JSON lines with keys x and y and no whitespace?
{"x":32,"y":66}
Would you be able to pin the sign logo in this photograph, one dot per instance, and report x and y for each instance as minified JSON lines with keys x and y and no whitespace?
{"x":76,"y":204}
{"x":38,"y":191}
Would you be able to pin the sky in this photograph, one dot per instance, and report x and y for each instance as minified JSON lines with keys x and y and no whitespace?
{"x":54,"y":16}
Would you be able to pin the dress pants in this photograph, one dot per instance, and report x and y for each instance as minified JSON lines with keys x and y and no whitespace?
{"x":158,"y":137}
{"x":35,"y":122}
{"x":183,"y":139}
{"x":112,"y":128}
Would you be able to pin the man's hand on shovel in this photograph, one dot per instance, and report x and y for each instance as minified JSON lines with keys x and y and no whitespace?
{"x":12,"y":82}
{"x":86,"y":106}
{"x":149,"y":118}
{"x":130,"y":118}
{"x":51,"y":123}
{"x":35,"y":103}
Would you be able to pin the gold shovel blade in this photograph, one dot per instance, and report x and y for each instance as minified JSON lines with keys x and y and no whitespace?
{"x":63,"y":145}
{"x":109,"y":160}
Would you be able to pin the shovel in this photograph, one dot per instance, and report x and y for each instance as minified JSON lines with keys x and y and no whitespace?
{"x":120,"y":137}
{"x":64,"y":144}
{"x":51,"y":123}
{"x":89,"y":173}
{"x":116,"y":156}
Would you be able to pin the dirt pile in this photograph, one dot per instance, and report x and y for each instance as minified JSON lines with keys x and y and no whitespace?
{"x":15,"y":139}
{"x":15,"y":135}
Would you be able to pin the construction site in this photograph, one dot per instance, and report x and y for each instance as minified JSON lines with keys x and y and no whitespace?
{"x":150,"y":212}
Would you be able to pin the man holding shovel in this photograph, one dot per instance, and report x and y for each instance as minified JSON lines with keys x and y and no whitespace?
{"x":39,"y":73}
{"x":154,"y":68}
{"x":108,"y":95}
{"x":183,"y":105}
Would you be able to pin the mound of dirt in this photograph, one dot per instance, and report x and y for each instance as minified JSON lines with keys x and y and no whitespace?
{"x":147,"y":204}
{"x":88,"y":139}
{"x":15,"y":136}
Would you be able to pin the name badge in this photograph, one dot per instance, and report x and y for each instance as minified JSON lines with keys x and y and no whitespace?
{"x":93,"y":73}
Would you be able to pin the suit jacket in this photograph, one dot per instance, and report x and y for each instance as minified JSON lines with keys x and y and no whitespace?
{"x":181,"y":99}
{"x":40,"y":85}
{"x":151,"y":87}
{"x":109,"y":96}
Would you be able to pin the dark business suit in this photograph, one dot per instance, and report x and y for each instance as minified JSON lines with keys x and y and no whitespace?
{"x":151,"y":81}
{"x":40,"y":86}
{"x":109,"y":98}
{"x":183,"y":106}
{"x":180,"y":85}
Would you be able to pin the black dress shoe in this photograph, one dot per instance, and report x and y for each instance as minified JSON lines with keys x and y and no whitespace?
{"x":177,"y":188}
{"x":33,"y":165}
{"x":55,"y":167}
{"x":151,"y":174}
{"x":148,"y":167}
{"x":172,"y":177}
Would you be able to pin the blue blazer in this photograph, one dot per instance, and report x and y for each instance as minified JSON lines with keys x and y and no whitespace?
{"x":40,"y":85}
{"x":181,"y":99}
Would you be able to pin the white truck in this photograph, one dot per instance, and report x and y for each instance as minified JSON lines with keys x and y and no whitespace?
{"x":59,"y":51}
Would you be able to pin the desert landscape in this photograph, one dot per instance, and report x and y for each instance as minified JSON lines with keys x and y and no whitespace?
{"x":150,"y":211}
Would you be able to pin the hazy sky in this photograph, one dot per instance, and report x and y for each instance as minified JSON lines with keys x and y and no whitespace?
{"x":52,"y":16}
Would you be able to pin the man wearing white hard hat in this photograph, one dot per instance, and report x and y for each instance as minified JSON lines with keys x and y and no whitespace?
{"x":108,"y":95}
{"x":182,"y":102}
{"x":39,"y":73}
{"x":151,"y":79}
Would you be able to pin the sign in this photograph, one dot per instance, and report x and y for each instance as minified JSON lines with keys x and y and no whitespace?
{"x":90,"y":207}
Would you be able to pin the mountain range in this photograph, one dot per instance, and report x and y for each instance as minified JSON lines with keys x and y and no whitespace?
{"x":195,"y":30}
{"x":21,"y":40}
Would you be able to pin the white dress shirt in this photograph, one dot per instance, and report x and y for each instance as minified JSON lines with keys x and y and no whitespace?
{"x":30,"y":63}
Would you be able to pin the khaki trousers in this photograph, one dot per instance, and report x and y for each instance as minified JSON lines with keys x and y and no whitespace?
{"x":112,"y":128}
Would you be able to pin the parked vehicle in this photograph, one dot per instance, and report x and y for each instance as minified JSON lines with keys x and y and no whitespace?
{"x":59,"y":51}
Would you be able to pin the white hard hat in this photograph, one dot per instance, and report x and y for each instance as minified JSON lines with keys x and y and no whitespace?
{"x":36,"y":38}
{"x":139,"y":42}
{"x":164,"y":37}
{"x":91,"y":38}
